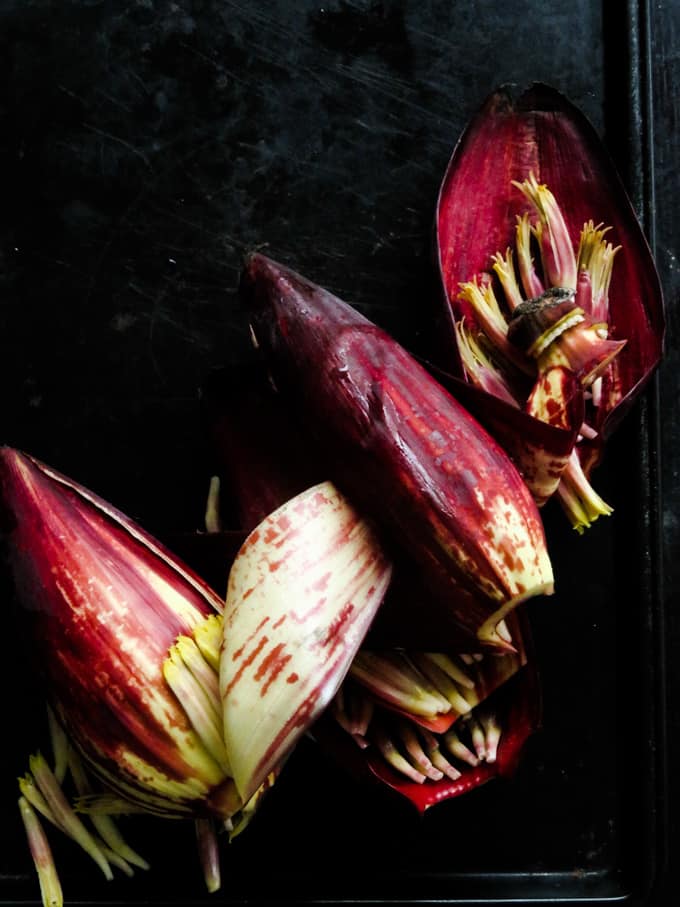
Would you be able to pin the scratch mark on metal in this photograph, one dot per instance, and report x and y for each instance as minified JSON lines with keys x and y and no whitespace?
{"x":120,"y":141}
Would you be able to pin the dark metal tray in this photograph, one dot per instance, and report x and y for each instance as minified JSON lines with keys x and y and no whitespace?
{"x":149,"y":146}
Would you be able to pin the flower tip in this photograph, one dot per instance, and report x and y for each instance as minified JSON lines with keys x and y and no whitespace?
{"x":10,"y":459}
{"x":258,"y":267}
{"x":492,"y":637}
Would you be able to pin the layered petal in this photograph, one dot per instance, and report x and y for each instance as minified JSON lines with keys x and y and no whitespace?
{"x":105,"y":603}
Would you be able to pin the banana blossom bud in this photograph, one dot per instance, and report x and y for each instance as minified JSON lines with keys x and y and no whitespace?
{"x":125,"y":639}
{"x":404,"y":449}
{"x":106,"y":603}
{"x":531,"y":281}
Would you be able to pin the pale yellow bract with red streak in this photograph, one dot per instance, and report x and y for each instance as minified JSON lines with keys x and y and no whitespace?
{"x":301,"y":595}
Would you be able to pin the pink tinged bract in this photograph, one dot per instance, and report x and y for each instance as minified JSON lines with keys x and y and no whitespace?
{"x":301,"y":595}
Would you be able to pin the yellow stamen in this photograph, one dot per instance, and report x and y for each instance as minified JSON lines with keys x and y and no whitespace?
{"x":504,"y":268}
{"x":485,"y":306}
{"x":596,"y":257}
{"x":208,"y":638}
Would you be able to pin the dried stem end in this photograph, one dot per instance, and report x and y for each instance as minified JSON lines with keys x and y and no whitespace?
{"x":537,"y":323}
{"x":208,"y":851}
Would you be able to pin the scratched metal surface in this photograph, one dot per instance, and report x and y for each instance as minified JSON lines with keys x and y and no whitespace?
{"x":145,"y":147}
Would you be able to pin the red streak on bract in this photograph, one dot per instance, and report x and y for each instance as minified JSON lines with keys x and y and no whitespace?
{"x":553,"y":408}
{"x":319,"y":500}
{"x":292,"y":678}
{"x":334,"y":634}
{"x":272,"y":665}
{"x":237,"y":654}
{"x":246,"y":663}
{"x":283,"y":522}
{"x":274,"y":565}
{"x":301,"y":717}
{"x":322,"y":582}
{"x":306,"y":615}
{"x":278,"y":623}
{"x":252,"y":539}
{"x":270,"y":535}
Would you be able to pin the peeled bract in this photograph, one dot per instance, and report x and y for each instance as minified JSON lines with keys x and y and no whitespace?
{"x":301,"y":595}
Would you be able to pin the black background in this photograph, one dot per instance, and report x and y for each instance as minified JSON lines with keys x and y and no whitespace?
{"x":145,"y":147}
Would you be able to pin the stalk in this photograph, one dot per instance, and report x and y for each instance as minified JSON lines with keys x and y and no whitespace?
{"x":208,"y":850}
{"x":579,"y":500}
{"x":50,"y":887}
{"x":63,"y":815}
{"x":104,"y":824}
{"x":393,"y":679}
